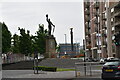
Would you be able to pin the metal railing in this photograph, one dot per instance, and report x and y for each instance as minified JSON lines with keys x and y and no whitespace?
{"x":11,"y":58}
{"x":88,"y":69}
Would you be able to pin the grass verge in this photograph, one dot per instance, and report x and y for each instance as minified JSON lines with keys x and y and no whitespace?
{"x":63,"y":69}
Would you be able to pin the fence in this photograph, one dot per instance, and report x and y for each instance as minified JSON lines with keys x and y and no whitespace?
{"x":11,"y":58}
{"x":88,"y":69}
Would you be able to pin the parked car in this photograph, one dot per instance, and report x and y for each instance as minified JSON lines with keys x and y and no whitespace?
{"x":91,"y":60}
{"x":103,"y":60}
{"x":110,"y":58}
{"x":40,"y":57}
{"x":111,"y":70}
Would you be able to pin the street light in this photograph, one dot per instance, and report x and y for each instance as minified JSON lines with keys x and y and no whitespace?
{"x":65,"y":39}
{"x":65,"y":44}
{"x":71,"y":32}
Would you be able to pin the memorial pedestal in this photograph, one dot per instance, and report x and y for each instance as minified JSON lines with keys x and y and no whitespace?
{"x":50,"y":47}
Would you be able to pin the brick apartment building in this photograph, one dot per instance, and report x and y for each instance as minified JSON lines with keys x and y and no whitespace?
{"x":114,"y":26}
{"x":101,"y":24}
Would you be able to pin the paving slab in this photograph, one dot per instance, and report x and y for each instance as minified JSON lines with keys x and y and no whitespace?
{"x":30,"y":74}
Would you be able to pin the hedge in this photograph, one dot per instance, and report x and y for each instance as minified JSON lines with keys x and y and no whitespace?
{"x":43,"y":68}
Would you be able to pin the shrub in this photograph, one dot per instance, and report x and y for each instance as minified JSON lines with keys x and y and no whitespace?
{"x":43,"y":68}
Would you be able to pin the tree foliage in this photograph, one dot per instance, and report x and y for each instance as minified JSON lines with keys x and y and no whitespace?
{"x":15,"y":45}
{"x":6,"y":39}
{"x":24,"y":42}
{"x":39,"y":39}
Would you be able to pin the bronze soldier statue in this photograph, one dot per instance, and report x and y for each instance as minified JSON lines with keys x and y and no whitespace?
{"x":50,"y":24}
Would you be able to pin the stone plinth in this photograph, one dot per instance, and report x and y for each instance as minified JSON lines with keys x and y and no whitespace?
{"x":50,"y":47}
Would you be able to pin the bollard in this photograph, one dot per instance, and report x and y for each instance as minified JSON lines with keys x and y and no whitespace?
{"x":78,"y":73}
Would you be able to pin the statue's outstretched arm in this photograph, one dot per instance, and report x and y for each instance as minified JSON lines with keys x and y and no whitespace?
{"x":52,"y":24}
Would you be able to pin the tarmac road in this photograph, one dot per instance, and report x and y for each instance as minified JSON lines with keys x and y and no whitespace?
{"x":51,"y":79}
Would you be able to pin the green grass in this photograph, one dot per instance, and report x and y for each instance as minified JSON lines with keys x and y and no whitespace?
{"x":44,"y":68}
{"x":63,"y":69}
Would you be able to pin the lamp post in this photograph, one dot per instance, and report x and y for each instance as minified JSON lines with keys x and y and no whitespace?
{"x":71,"y":32}
{"x":65,"y":39}
{"x":65,"y":44}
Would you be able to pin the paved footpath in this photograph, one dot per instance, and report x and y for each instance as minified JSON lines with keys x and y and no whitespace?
{"x":29,"y":74}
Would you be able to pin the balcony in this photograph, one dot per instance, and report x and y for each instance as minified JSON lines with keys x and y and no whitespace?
{"x":118,"y":5}
{"x":87,"y":4}
{"x":112,"y":23}
{"x":89,"y":28}
{"x":88,"y":19}
{"x":104,"y":17}
{"x":96,"y":45}
{"x":105,"y":27}
{"x":86,"y":33}
{"x":88,"y":46}
{"x":96,"y":29}
{"x":87,"y":12}
{"x":117,"y":24}
{"x":88,"y":40}
{"x":117,"y":12}
{"x":96,"y":14}
{"x":117,"y":21}
{"x":96,"y":5}
{"x":96,"y":21}
{"x":104,"y":35}
{"x":104,"y":43}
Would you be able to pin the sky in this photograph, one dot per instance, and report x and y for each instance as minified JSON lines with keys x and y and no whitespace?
{"x":29,"y":14}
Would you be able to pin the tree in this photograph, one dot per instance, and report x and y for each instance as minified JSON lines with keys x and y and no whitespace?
{"x":6,"y":39}
{"x":25,"y":42}
{"x":40,"y":39}
{"x":15,"y":46}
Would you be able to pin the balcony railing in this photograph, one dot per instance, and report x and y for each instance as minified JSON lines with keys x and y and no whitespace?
{"x":117,"y":12}
{"x":89,"y":27}
{"x":118,"y":5}
{"x":96,"y":45}
{"x":87,"y":18}
{"x":96,"y":21}
{"x":117,"y":21}
{"x":96,"y":29}
{"x":88,"y":46}
{"x":104,"y":17}
{"x":87,"y":12}
{"x":96,"y":5}
{"x":87,"y":33}
{"x":96,"y":14}
{"x":104,"y":43}
{"x":104,"y":35}
{"x":87,"y":4}
{"x":88,"y":40}
{"x":104,"y":27}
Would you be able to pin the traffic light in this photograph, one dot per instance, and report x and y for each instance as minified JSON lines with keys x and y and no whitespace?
{"x":117,"y":39}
